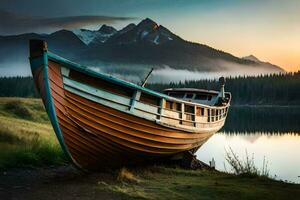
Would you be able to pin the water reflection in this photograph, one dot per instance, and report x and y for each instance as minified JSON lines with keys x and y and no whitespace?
{"x":271,"y":132}
{"x":281,"y":152}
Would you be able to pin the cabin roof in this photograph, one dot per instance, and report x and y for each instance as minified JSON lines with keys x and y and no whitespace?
{"x":191,"y":90}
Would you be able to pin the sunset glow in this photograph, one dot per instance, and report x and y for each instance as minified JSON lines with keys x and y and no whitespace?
{"x":266,"y":29}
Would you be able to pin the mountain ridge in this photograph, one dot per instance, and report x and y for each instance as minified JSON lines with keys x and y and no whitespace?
{"x":146,"y":44}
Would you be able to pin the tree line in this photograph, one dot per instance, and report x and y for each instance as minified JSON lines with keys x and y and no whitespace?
{"x":17,"y":87}
{"x":278,"y":89}
{"x":275,"y":89}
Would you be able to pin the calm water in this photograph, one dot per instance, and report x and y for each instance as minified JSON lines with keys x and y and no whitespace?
{"x":270,"y":132}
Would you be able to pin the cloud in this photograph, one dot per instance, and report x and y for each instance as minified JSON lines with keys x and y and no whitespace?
{"x":11,"y":23}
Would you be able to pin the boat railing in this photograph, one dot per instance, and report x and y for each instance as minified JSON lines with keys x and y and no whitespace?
{"x":205,"y":112}
{"x":169,"y":111}
{"x":197,"y":116}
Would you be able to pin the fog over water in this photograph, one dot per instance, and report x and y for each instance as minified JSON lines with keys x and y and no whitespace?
{"x":165,"y":74}
{"x":136,"y":72}
{"x":15,"y":69}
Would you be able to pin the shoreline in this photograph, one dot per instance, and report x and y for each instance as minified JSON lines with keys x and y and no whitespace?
{"x":152,"y":182}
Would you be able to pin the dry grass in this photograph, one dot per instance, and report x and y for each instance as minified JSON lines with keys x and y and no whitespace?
{"x":127,"y":176}
{"x":23,"y":108}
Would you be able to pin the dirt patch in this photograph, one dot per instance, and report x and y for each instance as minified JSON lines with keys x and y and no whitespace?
{"x":63,"y":182}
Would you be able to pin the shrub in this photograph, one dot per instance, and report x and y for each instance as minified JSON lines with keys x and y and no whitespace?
{"x":245,"y":167}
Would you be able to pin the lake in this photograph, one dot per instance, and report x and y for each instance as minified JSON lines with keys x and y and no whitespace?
{"x":268,"y":132}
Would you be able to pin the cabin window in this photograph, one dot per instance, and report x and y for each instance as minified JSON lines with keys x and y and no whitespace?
{"x":189,"y":109}
{"x":176,"y":95}
{"x":178,"y":106}
{"x":209,"y":97}
{"x":149,"y":99}
{"x":173,"y":105}
{"x":101,"y":84}
{"x":189,"y":96}
{"x":208,"y":115}
{"x":213,"y":114}
{"x":169,"y":105}
{"x":201,"y":97}
{"x":199,"y":111}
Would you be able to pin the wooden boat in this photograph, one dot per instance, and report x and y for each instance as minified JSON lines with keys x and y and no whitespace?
{"x":102,"y":121}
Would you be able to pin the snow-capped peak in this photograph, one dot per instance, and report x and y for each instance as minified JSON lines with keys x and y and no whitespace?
{"x":89,"y":36}
{"x":146,"y":31}
{"x":84,"y":35}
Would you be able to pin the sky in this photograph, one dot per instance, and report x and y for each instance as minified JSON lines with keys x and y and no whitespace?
{"x":270,"y":30}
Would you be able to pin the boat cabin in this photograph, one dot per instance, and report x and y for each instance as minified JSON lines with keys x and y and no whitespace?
{"x":206,"y":97}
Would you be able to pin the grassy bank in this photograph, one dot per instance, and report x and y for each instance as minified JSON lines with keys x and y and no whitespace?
{"x":26,"y":135}
{"x":176,"y":183}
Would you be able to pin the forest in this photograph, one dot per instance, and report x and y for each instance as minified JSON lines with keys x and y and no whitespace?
{"x":275,"y":89}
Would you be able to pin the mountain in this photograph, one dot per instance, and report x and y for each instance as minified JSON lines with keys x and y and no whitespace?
{"x":147,"y":31}
{"x":151,"y":44}
{"x":14,"y":50}
{"x":265,"y":64}
{"x":130,"y":51}
{"x":251,"y":58}
{"x":99,"y":36}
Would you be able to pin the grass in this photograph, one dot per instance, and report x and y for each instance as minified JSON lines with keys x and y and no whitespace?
{"x":26,"y":136}
{"x":23,"y":108}
{"x":160,"y":182}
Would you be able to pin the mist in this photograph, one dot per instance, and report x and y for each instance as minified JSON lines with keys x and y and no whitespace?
{"x":137,"y":72}
{"x":9,"y":69}
{"x":166,"y":74}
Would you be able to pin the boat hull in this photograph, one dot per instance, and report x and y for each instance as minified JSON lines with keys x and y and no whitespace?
{"x":96,"y":135}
